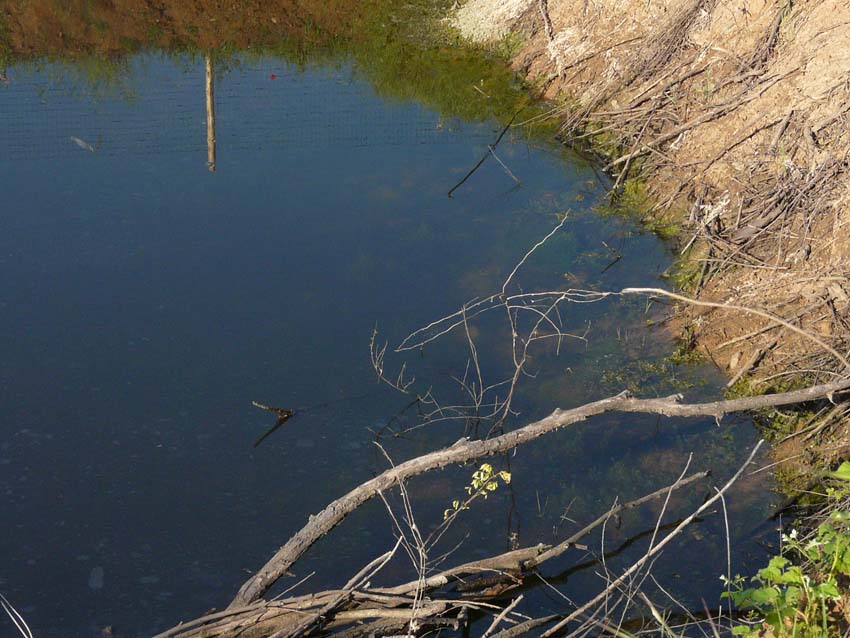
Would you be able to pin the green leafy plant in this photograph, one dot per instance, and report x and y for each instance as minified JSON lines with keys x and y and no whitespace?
{"x":798,"y":599}
{"x":792,"y":603}
{"x":484,"y":481}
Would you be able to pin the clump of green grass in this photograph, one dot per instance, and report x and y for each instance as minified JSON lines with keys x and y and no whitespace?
{"x":685,"y":273}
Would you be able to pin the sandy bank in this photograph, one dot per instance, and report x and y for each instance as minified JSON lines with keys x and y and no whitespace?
{"x":735,"y":113}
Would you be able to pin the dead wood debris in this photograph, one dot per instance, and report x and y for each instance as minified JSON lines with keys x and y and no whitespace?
{"x":435,"y":600}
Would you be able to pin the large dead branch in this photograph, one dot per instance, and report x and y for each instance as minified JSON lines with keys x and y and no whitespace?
{"x":390,"y":609}
{"x":466,"y":450}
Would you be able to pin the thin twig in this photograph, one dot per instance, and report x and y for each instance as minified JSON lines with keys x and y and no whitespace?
{"x":646,"y":557}
{"x":751,"y":311}
{"x":490,"y":149}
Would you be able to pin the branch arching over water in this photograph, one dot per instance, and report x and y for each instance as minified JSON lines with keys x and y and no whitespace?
{"x":465,"y":450}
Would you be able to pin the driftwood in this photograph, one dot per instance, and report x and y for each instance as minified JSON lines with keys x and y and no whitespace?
{"x":388,"y":609}
{"x":465,"y":450}
{"x":444,"y":599}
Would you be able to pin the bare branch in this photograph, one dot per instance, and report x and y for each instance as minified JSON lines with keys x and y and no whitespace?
{"x":652,"y":552}
{"x":466,"y":450}
{"x":751,"y":311}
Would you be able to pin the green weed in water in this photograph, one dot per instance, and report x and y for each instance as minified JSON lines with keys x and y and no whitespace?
{"x":634,"y":202}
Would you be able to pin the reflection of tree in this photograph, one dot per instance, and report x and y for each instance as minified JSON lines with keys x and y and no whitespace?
{"x":210,"y":92}
{"x":54,"y":28}
{"x":389,"y":44}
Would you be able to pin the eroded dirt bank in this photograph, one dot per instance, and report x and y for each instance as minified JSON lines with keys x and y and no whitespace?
{"x":734,"y":114}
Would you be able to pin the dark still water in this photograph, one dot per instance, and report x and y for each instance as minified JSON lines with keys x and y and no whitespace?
{"x":147,"y":300}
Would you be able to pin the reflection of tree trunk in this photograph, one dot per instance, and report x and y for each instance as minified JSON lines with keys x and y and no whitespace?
{"x":210,"y":116}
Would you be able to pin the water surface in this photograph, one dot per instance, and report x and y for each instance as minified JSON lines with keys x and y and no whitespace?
{"x":147,"y":300}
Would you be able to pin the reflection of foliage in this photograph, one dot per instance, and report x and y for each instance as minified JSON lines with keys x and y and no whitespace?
{"x":81,"y":28}
{"x":404,"y":61}
{"x":98,"y":77}
{"x":399,"y":47}
{"x":5,"y":46}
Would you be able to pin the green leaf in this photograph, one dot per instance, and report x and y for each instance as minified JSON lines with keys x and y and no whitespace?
{"x":843,"y":472}
{"x":793,"y":595}
{"x":794,"y":575}
{"x":773,"y":572}
{"x":843,"y":563}
{"x":774,"y":620}
{"x":763,"y":597}
{"x":828,"y":590}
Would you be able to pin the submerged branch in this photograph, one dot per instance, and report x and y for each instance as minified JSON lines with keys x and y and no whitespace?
{"x":491,"y":148}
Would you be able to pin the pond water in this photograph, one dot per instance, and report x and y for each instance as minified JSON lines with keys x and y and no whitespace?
{"x":148,"y":300}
